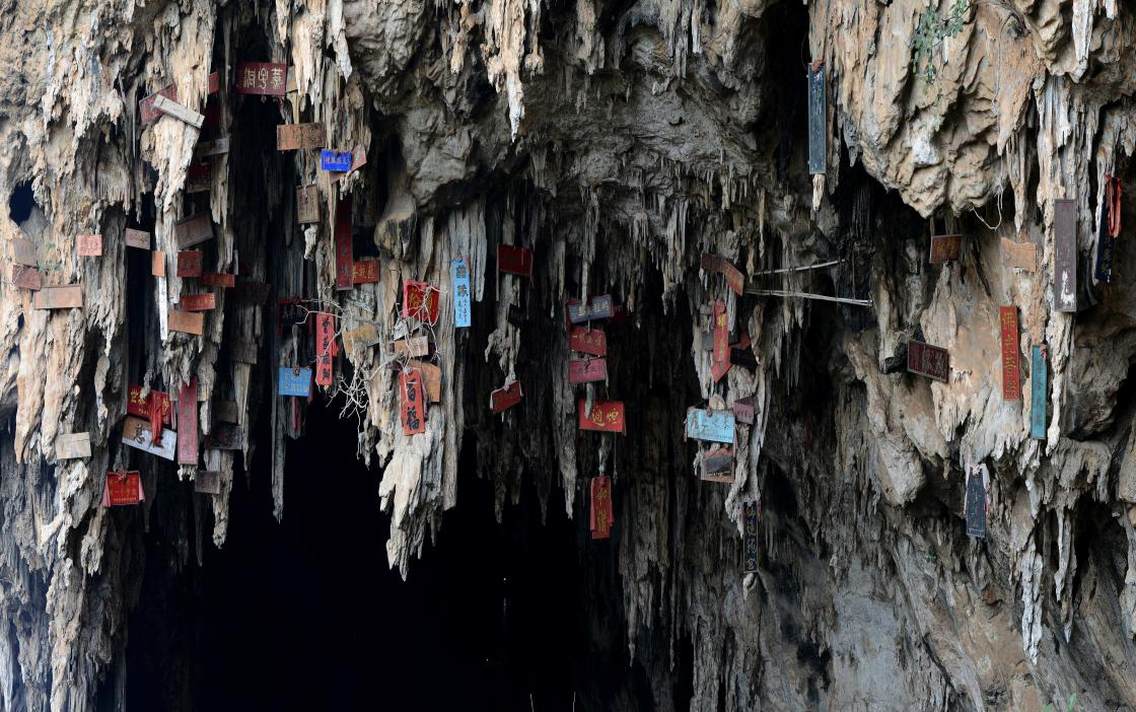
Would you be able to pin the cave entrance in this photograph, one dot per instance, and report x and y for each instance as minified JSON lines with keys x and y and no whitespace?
{"x":306,"y":615}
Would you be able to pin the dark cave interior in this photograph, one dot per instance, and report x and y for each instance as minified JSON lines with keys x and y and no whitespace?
{"x":306,"y":614}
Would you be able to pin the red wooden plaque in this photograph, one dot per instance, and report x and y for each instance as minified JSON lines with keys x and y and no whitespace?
{"x":123,"y":488}
{"x":720,"y":359}
{"x":945,"y":248}
{"x":26,"y":277}
{"x":156,"y":404}
{"x":734,"y":277}
{"x":263,"y":78}
{"x":146,"y":109}
{"x":419,"y":300}
{"x":1011,"y":354}
{"x":413,"y":401}
{"x":214,"y":82}
{"x":189,"y":263}
{"x":365,"y":272}
{"x":325,"y":340}
{"x":602,"y":516}
{"x":587,"y":341}
{"x":187,"y":424}
{"x":718,"y":369}
{"x":344,"y":260}
{"x":930,"y":361}
{"x":197,"y":177}
{"x":219,"y":279}
{"x":199,"y":302}
{"x":587,"y":370}
{"x":504,"y":398}
{"x":89,"y":245}
{"x":186,"y":322}
{"x":515,"y":260}
{"x":606,"y":416}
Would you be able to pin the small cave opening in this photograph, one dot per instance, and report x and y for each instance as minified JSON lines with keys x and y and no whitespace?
{"x":306,"y":614}
{"x":21,"y":203}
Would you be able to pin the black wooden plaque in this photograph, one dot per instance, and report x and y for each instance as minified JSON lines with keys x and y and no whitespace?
{"x":1065,"y":255}
{"x":976,"y":505}
{"x":818,"y":147}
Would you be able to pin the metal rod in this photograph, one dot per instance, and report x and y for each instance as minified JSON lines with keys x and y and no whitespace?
{"x":819,"y":265}
{"x":809,"y":295}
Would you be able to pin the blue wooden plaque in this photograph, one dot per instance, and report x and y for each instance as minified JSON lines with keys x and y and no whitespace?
{"x":818,"y":116}
{"x":710,"y":425}
{"x":459,"y":274}
{"x":294,"y":382}
{"x":335,"y":161}
{"x":1039,"y":384}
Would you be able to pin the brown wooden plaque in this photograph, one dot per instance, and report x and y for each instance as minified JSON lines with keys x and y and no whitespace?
{"x":219,"y":279}
{"x":189,"y":263}
{"x":193,"y":231}
{"x":293,"y":137}
{"x":945,"y":248}
{"x":1011,"y":356}
{"x":414,"y":346}
{"x":1065,"y":255}
{"x":187,"y":322}
{"x":24,"y":252}
{"x":1022,"y":255}
{"x":70,"y":297}
{"x":158,"y":263}
{"x":26,"y":277}
{"x":71,"y":446}
{"x":431,"y":378}
{"x":137,"y":238}
{"x":307,"y":204}
{"x":89,"y":245}
{"x":182,"y":113}
{"x":207,"y":482}
{"x":930,"y":361}
{"x":198,"y":302}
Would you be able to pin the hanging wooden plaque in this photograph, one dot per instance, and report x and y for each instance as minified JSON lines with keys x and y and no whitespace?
{"x":606,"y":416}
{"x":295,"y":137}
{"x":146,"y":109}
{"x":818,"y":120}
{"x":413,"y":346}
{"x":72,"y":446}
{"x":261,"y":78}
{"x":512,"y":259}
{"x":70,"y":297}
{"x":136,"y":433}
{"x":718,"y":464}
{"x":137,"y":238}
{"x":419,"y":301}
{"x":734,"y":277}
{"x":89,"y":245}
{"x":193,"y":231}
{"x":158,"y":263}
{"x":216,"y":147}
{"x":187,"y":424}
{"x":506,"y":397}
{"x":181,"y":113}
{"x":219,"y":279}
{"x":587,"y":341}
{"x":123,"y":489}
{"x":186,"y":322}
{"x":307,"y":204}
{"x":335,"y":161}
{"x":463,"y":308}
{"x":294,"y":382}
{"x":1011,"y":357}
{"x":325,"y":339}
{"x":598,"y":308}
{"x":587,"y":370}
{"x":945,"y":248}
{"x":601,"y":515}
{"x":198,"y":177}
{"x":1020,"y":255}
{"x":431,"y":379}
{"x":142,"y":407}
{"x":930,"y":361}
{"x":189,"y":263}
{"x":365,"y":272}
{"x":26,"y":277}
{"x":710,"y":425}
{"x":363,"y":337}
{"x":344,"y":259}
{"x":24,"y":252}
{"x":743,"y":410}
{"x":1039,"y":392}
{"x":749,"y":537}
{"x":227,"y":412}
{"x":225,"y":436}
{"x":1065,"y":255}
{"x":413,"y":402}
{"x":976,"y":504}
{"x":207,"y":482}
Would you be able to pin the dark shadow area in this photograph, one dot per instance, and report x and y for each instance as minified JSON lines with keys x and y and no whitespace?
{"x":306,"y":614}
{"x":20,"y":203}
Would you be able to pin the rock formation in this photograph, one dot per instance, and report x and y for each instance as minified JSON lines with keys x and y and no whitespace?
{"x":640,"y":150}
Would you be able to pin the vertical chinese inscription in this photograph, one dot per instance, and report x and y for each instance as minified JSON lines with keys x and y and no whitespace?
{"x":1011,"y":358}
{"x":459,"y":274}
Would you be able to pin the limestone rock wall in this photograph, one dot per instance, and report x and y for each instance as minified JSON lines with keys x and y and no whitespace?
{"x":621,"y":142}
